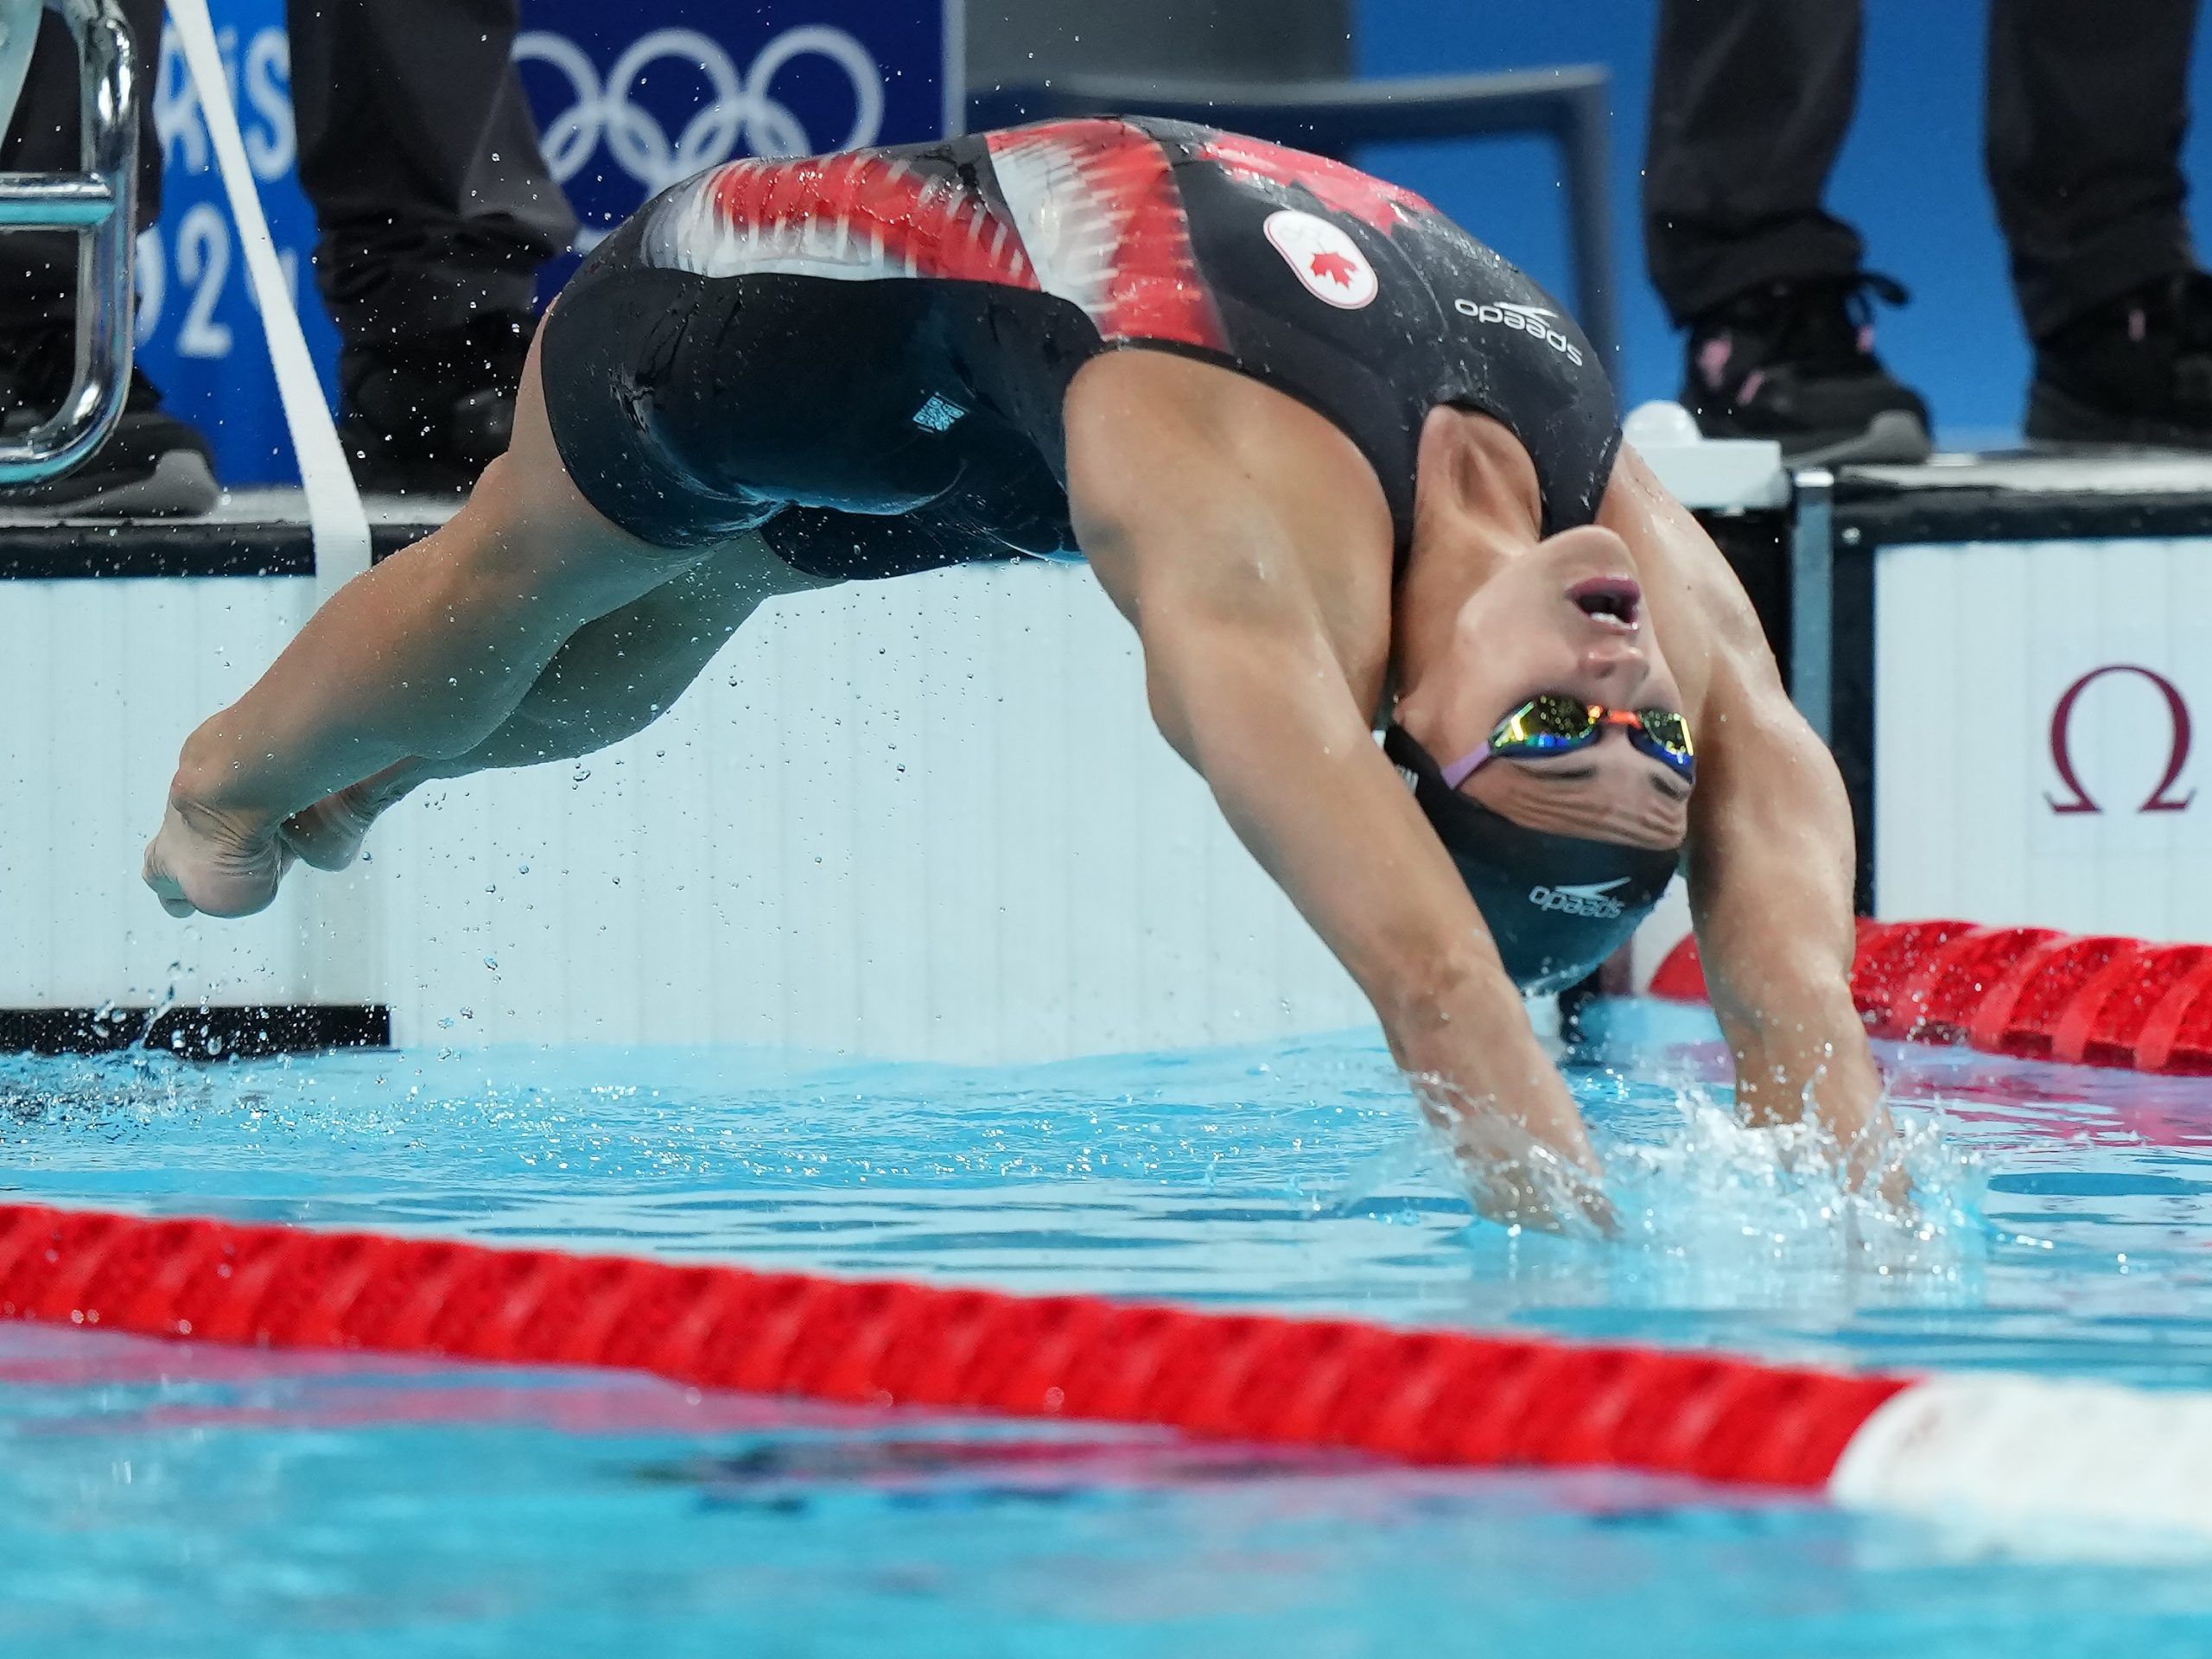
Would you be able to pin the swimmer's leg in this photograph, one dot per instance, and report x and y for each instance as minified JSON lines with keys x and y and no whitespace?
{"x":617,"y":675}
{"x":424,"y":657}
{"x":612,"y":678}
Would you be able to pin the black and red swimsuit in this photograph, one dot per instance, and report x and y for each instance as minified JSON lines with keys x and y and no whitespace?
{"x":864,"y":356}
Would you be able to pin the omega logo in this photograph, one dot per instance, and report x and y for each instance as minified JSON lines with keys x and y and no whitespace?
{"x":2061,"y":752}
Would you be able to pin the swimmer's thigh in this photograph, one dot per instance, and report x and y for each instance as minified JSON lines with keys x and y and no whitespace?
{"x":529,"y":536}
{"x":689,"y":408}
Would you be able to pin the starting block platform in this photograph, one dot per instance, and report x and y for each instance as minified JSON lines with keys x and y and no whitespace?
{"x":260,"y":533}
{"x":2007,"y":653}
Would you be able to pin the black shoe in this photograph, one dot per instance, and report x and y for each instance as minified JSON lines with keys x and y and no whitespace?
{"x":2136,"y":370}
{"x":151,"y":464}
{"x":1794,"y":361}
{"x":427,"y":414}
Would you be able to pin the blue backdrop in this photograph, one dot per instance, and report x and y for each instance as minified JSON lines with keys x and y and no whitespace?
{"x":1910,"y":178}
{"x":628,"y":99}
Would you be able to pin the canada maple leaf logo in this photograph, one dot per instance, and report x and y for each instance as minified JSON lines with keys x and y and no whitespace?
{"x":1327,"y":264}
{"x":1334,"y":267}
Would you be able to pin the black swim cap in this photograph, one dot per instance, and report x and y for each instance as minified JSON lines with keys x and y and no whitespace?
{"x":1557,"y":906}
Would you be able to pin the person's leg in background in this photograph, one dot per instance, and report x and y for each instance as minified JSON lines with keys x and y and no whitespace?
{"x":1750,"y":103}
{"x":152,"y":462}
{"x":435,"y":210}
{"x":2087,"y":108}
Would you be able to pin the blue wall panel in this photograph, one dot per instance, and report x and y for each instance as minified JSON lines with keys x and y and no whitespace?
{"x":630,"y":97}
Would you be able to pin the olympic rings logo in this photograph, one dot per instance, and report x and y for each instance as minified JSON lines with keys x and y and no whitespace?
{"x":739,"y":107}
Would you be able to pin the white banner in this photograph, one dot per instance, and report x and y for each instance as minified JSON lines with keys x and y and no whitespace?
{"x":2036,"y":734}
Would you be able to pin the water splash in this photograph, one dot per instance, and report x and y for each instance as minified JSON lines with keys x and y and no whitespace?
{"x":1711,"y":1214}
{"x":1292,"y":1176}
{"x":1769,"y":1213}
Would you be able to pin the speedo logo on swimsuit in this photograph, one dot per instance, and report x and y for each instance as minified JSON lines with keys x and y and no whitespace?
{"x":938,"y":414}
{"x":1528,"y":319}
{"x":1591,"y":900}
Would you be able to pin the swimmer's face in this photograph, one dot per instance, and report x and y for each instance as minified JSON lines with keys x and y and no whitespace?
{"x":1567,"y":617}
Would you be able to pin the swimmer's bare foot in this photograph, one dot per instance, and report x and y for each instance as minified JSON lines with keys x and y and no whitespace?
{"x":213,"y":862}
{"x":329,"y":834}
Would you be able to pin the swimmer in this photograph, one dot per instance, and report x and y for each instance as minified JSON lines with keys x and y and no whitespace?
{"x":1342,"y":467}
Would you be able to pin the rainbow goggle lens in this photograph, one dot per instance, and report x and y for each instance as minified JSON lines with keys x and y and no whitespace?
{"x":1556,"y":724}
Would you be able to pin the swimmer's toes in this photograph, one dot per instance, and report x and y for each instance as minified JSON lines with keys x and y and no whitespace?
{"x":154,"y":871}
{"x":172,"y":897}
{"x":329,"y":834}
{"x":202,"y":863}
{"x":317,"y":844}
{"x":226,"y":889}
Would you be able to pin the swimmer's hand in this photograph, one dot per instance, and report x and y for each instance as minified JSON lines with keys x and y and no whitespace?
{"x":211,"y":861}
{"x":1517,"y":1177}
{"x":1874,"y":1165}
{"x":1544,"y":1192}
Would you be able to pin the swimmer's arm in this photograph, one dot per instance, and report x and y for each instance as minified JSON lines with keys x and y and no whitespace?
{"x":1245,"y":684}
{"x":1264,"y":716}
{"x":1298,"y":776}
{"x":1771,"y":868}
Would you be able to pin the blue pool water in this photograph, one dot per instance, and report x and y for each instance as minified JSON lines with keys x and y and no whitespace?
{"x":186,"y":1500}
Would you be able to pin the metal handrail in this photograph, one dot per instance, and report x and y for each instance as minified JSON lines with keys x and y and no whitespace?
{"x":98,"y":204}
{"x":1568,"y":105}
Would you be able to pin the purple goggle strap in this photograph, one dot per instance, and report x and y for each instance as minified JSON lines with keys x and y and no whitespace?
{"x":1466,"y":766}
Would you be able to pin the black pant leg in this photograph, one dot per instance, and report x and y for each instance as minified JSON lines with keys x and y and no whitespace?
{"x":432,"y":198}
{"x":1750,"y":103}
{"x":38,"y":269}
{"x":2087,"y":107}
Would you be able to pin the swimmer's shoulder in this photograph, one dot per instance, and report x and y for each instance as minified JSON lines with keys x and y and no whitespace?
{"x":1161,"y":445}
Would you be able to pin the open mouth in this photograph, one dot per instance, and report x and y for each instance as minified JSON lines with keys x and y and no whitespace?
{"x":1614,"y":603}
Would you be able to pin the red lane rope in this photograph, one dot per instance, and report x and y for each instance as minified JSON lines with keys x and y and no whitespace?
{"x":1429,"y":1396}
{"x":2026,"y":991}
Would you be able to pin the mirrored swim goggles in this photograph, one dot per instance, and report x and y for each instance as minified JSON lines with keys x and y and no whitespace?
{"x":1554,"y":723}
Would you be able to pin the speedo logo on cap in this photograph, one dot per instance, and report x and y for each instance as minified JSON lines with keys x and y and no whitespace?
{"x":1591,"y":901}
{"x":1528,"y":319}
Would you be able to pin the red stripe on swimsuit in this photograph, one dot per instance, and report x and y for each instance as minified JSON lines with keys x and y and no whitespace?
{"x":1344,"y":189}
{"x":1099,"y":208}
{"x":860,"y":210}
